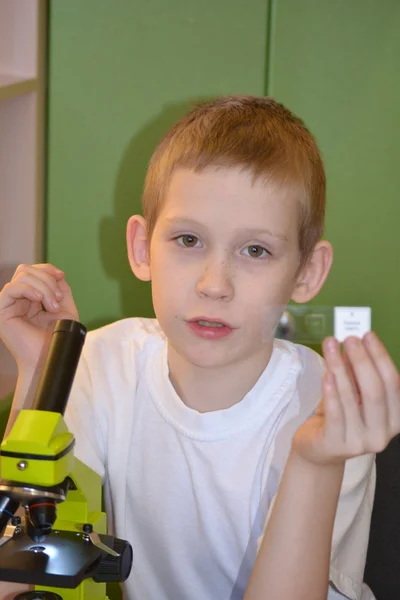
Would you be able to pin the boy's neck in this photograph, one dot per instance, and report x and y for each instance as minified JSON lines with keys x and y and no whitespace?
{"x":211,"y":389}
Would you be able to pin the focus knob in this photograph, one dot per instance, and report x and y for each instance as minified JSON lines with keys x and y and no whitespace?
{"x":114,"y":568}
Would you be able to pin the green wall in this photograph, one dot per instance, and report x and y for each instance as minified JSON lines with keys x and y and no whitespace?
{"x":122,"y":72}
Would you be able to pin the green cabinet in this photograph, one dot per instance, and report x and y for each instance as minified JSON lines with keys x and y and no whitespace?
{"x":120,"y":75}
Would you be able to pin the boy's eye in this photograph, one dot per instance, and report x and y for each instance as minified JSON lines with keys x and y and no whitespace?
{"x":256,"y":251}
{"x":188,"y":240}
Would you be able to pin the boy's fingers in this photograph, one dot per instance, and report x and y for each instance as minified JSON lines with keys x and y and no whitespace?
{"x":390,"y":377}
{"x":18,"y":291}
{"x":351,"y":375}
{"x":68,"y":303}
{"x":44,"y":267}
{"x":333,"y":412}
{"x":373,"y":394}
{"x":52,"y":291}
{"x":41,"y":275}
{"x":48,"y":319}
{"x":346,"y":391}
{"x":336,"y":365}
{"x":48,"y":298}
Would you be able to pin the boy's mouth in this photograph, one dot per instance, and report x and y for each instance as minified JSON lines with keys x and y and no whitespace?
{"x":210,"y":322}
{"x":209,"y":328}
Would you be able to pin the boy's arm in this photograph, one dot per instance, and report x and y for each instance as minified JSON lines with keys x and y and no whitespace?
{"x":295,"y":551}
{"x":349,"y":542}
{"x":8,"y":591}
{"x":23,"y":395}
{"x":358,"y":416}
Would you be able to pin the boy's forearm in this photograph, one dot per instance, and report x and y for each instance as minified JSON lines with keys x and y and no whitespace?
{"x":8,"y":591}
{"x":23,"y":395}
{"x":293,"y":561}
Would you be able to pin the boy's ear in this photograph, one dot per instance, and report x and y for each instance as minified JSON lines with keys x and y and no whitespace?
{"x":313,"y":275}
{"x":138,"y":247}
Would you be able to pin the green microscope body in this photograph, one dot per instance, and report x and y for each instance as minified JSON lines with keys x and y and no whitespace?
{"x":60,"y":545}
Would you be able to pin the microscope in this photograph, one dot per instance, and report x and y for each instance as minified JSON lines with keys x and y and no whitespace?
{"x":60,"y":543}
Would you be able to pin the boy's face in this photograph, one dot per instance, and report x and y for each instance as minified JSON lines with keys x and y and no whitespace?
{"x":224,"y":258}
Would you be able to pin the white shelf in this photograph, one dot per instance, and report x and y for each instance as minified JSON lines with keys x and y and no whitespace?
{"x":22,"y":47}
{"x":17,"y":180}
{"x":19,"y":23}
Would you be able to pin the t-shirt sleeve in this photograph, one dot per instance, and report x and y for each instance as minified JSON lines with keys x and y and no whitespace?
{"x":352,"y":525}
{"x":83,"y":421}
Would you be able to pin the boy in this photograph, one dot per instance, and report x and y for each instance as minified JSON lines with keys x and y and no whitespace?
{"x":190,"y":418}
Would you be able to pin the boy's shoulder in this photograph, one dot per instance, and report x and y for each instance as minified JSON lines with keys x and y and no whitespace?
{"x":310,"y":359}
{"x":300,"y":371}
{"x":130,"y":336}
{"x":305,"y":385}
{"x":309,"y":362}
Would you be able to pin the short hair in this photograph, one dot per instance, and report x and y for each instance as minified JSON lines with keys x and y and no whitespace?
{"x":257,"y":134}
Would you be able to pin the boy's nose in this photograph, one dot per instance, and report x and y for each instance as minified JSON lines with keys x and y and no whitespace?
{"x":216,"y":282}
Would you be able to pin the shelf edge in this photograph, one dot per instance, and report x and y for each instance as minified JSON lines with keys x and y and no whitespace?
{"x":18,"y":88}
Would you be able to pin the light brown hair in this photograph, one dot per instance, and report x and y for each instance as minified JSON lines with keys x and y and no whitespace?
{"x":255,"y":133}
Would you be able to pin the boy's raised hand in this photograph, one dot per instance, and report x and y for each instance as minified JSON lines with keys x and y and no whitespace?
{"x":30,"y":304}
{"x":360,"y":410}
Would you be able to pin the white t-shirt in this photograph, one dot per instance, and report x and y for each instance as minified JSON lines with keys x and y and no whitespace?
{"x":192,"y":491}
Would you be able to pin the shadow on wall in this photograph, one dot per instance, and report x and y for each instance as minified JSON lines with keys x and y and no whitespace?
{"x":135,"y":295}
